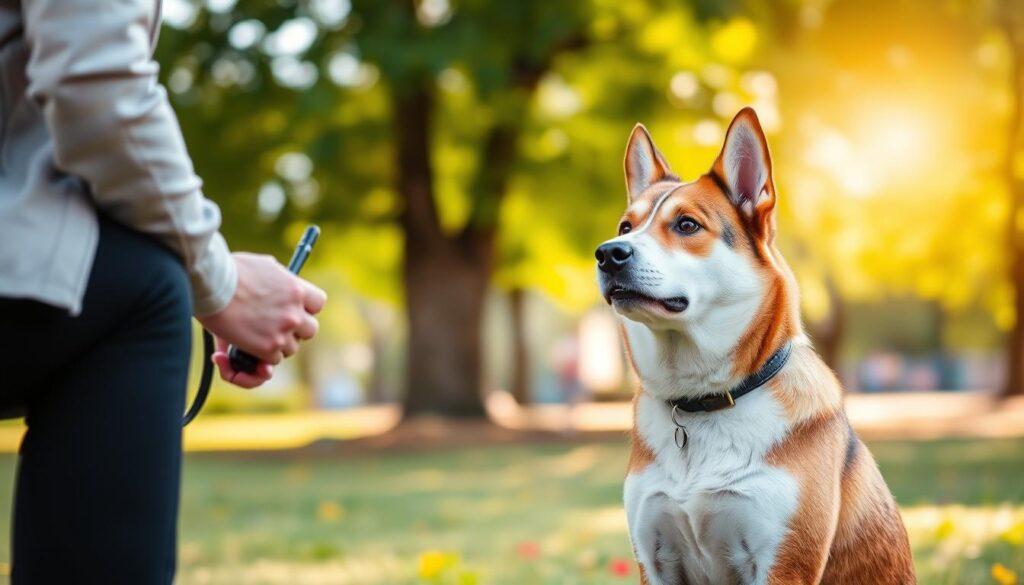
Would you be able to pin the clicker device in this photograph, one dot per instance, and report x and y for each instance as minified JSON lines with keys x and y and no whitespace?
{"x":245,"y":362}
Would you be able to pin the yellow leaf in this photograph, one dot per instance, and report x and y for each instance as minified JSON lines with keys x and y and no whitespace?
{"x":662,"y":33}
{"x":735,"y":41}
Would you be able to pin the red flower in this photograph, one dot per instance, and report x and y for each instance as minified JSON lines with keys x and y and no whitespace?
{"x":528,"y":550}
{"x":620,"y":567}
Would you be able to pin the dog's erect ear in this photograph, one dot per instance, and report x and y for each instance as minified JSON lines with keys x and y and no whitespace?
{"x":746,"y":168}
{"x":645,"y":166}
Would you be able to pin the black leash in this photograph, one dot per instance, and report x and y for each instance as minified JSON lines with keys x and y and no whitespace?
{"x":205,"y":379}
{"x":240,"y":360}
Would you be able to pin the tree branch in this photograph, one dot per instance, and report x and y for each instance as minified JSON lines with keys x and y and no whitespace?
{"x":490,"y":186}
{"x":414,"y":175}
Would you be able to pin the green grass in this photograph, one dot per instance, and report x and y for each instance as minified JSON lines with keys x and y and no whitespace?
{"x":529,"y":514}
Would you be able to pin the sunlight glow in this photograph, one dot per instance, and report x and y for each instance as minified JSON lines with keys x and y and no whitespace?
{"x":902,"y":141}
{"x":883,"y":146}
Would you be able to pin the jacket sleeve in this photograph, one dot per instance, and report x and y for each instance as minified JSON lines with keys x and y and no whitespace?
{"x":92,"y":74}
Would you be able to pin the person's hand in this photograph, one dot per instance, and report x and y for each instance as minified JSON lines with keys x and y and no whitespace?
{"x":271,"y":311}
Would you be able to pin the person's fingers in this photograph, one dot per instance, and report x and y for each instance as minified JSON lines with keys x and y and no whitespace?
{"x":271,"y":354}
{"x":228,"y":373}
{"x":273,"y":357}
{"x":307,"y":328}
{"x":313,"y":297}
{"x":247,"y":381}
{"x":263,"y":372}
{"x":291,"y":346}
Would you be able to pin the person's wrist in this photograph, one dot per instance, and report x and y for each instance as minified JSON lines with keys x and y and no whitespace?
{"x":217,"y":276}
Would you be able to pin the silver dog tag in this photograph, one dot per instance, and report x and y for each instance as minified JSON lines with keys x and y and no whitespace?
{"x":681,"y":441}
{"x":681,"y":437}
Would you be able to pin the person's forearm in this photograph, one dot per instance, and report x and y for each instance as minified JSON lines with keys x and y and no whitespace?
{"x":92,"y":74}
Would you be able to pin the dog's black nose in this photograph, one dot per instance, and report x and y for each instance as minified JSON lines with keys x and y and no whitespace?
{"x":613,"y":256}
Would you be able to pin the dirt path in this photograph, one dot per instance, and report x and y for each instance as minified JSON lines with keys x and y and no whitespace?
{"x":913,"y":416}
{"x":376,"y":429}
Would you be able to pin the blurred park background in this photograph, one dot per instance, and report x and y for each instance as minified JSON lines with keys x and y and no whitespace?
{"x":460,"y":418}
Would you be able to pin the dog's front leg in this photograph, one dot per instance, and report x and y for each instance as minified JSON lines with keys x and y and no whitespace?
{"x":801,"y":557}
{"x":813,"y":458}
{"x":657,"y":531}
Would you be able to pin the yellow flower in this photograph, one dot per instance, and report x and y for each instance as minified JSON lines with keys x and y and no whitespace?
{"x":329,"y":511}
{"x":945,"y":529}
{"x":1014,"y":535}
{"x":1003,"y":575}
{"x":433,"y":563}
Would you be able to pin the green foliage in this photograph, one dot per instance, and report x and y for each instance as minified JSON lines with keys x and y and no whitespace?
{"x":293,"y":99}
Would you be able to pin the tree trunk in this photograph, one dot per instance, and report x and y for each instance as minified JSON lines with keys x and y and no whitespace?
{"x":378,"y":324}
{"x":445,"y":309}
{"x":445,"y":280}
{"x":827,"y":333}
{"x":1012,"y":21}
{"x":520,"y":382}
{"x":446,"y":276}
{"x":304,"y":361}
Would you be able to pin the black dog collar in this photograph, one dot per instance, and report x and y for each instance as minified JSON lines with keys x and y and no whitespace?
{"x":713,"y":402}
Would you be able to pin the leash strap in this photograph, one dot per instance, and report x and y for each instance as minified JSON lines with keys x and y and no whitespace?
{"x":205,"y":379}
{"x":713,"y":402}
{"x":240,"y":360}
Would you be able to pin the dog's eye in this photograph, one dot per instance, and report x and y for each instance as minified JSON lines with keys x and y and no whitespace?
{"x":625,"y":228}
{"x":687,"y":226}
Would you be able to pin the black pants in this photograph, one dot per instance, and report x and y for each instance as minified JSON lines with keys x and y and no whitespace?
{"x":96,"y":499}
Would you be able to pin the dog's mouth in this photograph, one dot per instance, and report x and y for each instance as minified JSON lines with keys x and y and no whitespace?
{"x":624,"y":297}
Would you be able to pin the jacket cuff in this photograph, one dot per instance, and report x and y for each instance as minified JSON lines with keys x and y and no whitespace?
{"x":214,"y":278}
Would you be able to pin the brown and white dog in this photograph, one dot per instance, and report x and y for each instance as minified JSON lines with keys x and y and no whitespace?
{"x":771,"y":486}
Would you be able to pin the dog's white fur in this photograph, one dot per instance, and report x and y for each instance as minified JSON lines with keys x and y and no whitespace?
{"x":714,"y":511}
{"x":689,"y":353}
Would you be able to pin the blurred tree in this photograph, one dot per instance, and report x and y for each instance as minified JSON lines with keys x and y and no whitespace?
{"x":520,"y":386}
{"x":506,"y":48}
{"x":1011,"y":21}
{"x":377,"y":319}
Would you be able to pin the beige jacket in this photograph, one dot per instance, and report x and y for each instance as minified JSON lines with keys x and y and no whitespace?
{"x":84,"y":126}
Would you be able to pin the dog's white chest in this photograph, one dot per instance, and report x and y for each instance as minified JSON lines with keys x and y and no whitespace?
{"x":715,"y":511}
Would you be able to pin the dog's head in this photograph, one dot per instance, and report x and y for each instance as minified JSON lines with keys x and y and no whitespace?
{"x":695,"y":255}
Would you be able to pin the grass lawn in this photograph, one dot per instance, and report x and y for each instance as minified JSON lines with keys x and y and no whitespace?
{"x":532,"y":514}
